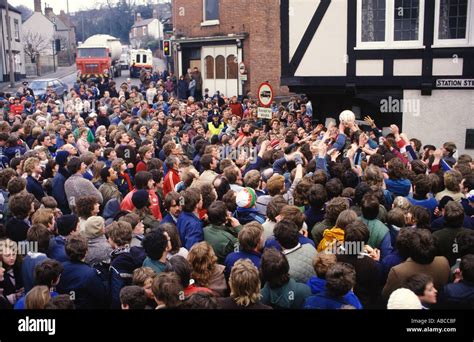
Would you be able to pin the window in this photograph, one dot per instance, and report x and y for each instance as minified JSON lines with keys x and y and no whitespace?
{"x":220,"y":67}
{"x":91,"y":52}
{"x":373,"y":20}
{"x":390,"y":24}
{"x":452,"y":19}
{"x":138,"y":58}
{"x":209,"y":65}
{"x":144,"y":59}
{"x":453,"y":22}
{"x":232,"y":68}
{"x":406,"y":19}
{"x":17,"y":30}
{"x":134,"y":31}
{"x":144,"y":31}
{"x":210,"y":12}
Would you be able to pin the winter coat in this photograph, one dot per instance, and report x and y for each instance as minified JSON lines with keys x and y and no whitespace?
{"x":300,"y":259}
{"x":98,"y":251}
{"x":190,"y":229}
{"x":124,"y":262}
{"x":84,"y":284}
{"x":289,"y":296}
{"x":223,"y":240}
{"x":57,"y":249}
{"x":318,"y":286}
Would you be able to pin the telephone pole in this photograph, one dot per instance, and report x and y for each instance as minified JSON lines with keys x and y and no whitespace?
{"x":10,"y":52}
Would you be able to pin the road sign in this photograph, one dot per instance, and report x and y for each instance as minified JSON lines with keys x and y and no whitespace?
{"x":265,"y":94}
{"x":243,"y":78}
{"x":264,"y":113}
{"x":242,"y":68}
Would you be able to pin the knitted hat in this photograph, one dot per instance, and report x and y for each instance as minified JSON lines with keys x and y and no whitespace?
{"x":403,"y":299}
{"x":246,"y":198}
{"x":93,"y":227}
{"x":61,"y":158}
{"x":140,"y":199}
{"x":66,"y":224}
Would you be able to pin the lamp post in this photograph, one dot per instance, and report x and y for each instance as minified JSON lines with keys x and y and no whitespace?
{"x":9,"y":43}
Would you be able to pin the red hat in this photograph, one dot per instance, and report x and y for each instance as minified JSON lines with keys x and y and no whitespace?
{"x":274,"y":143}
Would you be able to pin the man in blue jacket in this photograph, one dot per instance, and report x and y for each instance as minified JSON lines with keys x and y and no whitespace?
{"x":67,"y":226}
{"x":80,"y":281}
{"x":124,"y":260}
{"x":190,"y":227}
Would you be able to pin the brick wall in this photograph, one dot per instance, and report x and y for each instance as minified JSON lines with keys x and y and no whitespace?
{"x":260,"y":19}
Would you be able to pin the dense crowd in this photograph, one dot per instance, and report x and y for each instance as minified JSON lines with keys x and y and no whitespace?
{"x":165,"y":196}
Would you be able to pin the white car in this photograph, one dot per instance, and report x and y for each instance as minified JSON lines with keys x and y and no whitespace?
{"x":124,"y":61}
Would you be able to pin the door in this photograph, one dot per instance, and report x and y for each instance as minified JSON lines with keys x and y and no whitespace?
{"x":220,"y":69}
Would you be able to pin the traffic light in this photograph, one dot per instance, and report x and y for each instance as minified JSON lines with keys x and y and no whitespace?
{"x":57,"y":44}
{"x":167,"y":48}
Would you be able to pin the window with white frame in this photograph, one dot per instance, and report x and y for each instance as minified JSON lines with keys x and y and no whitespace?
{"x":454,"y":21}
{"x":144,"y":31}
{"x":211,"y":12}
{"x":390,"y":23}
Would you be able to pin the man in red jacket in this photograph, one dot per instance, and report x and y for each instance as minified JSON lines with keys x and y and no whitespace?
{"x":236,"y":107}
{"x":172,"y":177}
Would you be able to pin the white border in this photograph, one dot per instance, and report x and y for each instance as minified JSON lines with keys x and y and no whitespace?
{"x":468,"y":41}
{"x":389,"y":42}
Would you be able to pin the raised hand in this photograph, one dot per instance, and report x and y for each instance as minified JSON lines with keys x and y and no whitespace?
{"x":370,"y":121}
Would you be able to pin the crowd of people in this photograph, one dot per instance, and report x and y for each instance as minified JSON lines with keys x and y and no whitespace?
{"x":137,"y":197}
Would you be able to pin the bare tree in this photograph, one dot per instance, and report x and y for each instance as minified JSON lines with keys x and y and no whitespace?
{"x":35,"y":44}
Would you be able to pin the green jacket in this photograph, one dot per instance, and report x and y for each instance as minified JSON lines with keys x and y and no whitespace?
{"x":377,"y":232}
{"x":223,"y":240}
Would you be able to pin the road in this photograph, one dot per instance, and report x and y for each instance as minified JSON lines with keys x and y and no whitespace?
{"x":157,"y":63}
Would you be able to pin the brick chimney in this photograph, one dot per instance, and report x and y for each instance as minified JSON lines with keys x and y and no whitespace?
{"x":139,"y":17}
{"x":155,"y":13}
{"x":37,"y":5}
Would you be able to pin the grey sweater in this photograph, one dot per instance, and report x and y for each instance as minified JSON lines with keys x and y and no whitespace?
{"x":76,"y":186}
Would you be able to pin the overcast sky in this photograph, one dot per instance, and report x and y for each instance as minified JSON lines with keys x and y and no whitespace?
{"x":74,"y":5}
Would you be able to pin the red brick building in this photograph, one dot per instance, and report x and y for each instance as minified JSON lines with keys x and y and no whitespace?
{"x":217,"y":35}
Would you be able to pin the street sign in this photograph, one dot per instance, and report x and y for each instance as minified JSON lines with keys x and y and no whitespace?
{"x":265,"y":94}
{"x":243,"y":78}
{"x":242,"y":68}
{"x":454,"y":83}
{"x":264,"y":113}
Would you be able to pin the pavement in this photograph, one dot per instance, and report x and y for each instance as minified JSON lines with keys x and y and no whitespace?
{"x":61,"y":72}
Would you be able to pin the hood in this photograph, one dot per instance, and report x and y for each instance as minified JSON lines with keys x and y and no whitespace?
{"x":111,"y":209}
{"x":317,"y":285}
{"x":128,"y":261}
{"x":279,"y":297}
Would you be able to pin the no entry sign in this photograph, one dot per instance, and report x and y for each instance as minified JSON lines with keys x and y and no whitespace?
{"x":265,"y":94}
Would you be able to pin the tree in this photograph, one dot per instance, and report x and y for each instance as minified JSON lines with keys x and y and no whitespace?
{"x":35,"y":44}
{"x":25,"y":12}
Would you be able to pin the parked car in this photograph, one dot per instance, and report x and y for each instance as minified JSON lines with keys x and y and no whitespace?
{"x":40,"y":86}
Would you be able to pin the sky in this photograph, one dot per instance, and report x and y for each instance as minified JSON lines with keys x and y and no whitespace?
{"x":74,"y":5}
